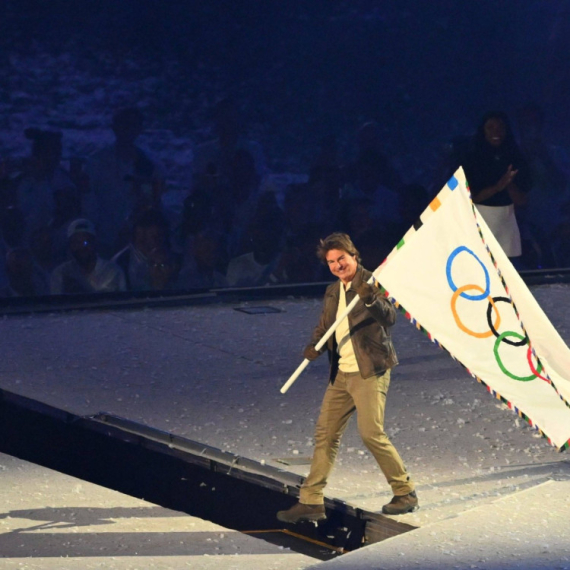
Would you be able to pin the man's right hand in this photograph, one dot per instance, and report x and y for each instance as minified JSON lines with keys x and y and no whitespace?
{"x":310,"y":353}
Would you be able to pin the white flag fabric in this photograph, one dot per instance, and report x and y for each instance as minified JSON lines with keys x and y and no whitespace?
{"x":451,"y":278}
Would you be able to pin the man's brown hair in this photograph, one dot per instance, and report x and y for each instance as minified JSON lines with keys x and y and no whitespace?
{"x":337,"y":240}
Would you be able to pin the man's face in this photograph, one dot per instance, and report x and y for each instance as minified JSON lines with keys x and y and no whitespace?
{"x":82,"y":248}
{"x":342,"y":264}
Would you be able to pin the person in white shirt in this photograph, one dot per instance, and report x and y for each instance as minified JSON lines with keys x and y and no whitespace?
{"x":86,"y":272}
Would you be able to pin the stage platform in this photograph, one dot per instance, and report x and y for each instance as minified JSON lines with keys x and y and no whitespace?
{"x":212,"y":374}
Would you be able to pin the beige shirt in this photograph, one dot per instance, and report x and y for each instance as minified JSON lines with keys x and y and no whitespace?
{"x":347,"y":361}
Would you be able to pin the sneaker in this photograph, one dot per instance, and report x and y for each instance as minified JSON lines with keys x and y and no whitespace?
{"x":402,"y":504}
{"x":302,"y":512}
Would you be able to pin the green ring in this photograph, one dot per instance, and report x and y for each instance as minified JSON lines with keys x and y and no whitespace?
{"x":502,"y":367}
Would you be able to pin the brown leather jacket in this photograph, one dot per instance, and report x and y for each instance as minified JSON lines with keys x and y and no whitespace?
{"x":369,"y":329}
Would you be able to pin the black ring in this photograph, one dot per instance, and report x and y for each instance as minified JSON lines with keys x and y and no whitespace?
{"x":490,"y":323}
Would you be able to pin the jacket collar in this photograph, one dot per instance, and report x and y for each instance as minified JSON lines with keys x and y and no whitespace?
{"x":361,"y":275}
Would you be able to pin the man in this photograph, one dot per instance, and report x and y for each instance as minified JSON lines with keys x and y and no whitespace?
{"x":86,"y":272}
{"x":42,"y":178}
{"x":25,"y":278}
{"x":123,"y":180}
{"x":148,"y":262}
{"x":361,"y":355}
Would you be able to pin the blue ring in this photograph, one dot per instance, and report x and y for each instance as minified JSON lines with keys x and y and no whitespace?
{"x":450,"y":259}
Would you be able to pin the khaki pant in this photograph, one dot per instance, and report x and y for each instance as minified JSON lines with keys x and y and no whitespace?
{"x":351,"y":392}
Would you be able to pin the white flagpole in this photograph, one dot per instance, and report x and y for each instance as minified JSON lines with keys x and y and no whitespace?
{"x":321,"y":342}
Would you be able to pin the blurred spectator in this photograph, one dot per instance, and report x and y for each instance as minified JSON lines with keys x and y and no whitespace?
{"x":13,"y":224}
{"x":550,"y":171}
{"x":10,"y":176}
{"x":244,"y":197}
{"x":216,"y":156}
{"x":325,"y":183}
{"x":148,"y":262}
{"x":204,"y":207}
{"x":298,"y":209}
{"x":49,"y":244}
{"x":164,"y":268}
{"x":358,"y":217}
{"x":296,"y":262}
{"x":205,"y":261}
{"x":263,"y":241}
{"x":86,"y":272}
{"x":301,"y":232}
{"x":25,"y":279}
{"x":224,"y":205}
{"x":372,"y":176}
{"x":375,"y":241}
{"x":374,"y":245}
{"x":123,"y":180}
{"x":42,"y":178}
{"x":499,"y":178}
{"x":369,"y":144}
{"x":326,"y":165}
{"x":67,"y":208}
{"x":42,"y":250}
{"x":78,"y":174}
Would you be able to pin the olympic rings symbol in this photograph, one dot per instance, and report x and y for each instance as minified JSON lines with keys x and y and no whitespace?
{"x":493,"y":315}
{"x":451,"y":258}
{"x":460,"y":293}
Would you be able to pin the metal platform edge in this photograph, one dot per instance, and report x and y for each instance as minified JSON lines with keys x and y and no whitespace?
{"x":176,"y":472}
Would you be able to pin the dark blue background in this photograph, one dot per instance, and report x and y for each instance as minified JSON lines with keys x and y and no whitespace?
{"x":302,"y":69}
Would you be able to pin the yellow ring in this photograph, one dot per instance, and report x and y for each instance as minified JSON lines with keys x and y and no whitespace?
{"x":456,"y":316}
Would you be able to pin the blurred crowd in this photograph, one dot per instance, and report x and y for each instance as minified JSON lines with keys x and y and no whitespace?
{"x":103,"y":223}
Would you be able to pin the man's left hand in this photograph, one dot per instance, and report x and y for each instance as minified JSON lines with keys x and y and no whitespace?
{"x":366,"y":292}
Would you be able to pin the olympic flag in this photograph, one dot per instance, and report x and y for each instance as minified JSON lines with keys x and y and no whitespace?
{"x":452,"y":279}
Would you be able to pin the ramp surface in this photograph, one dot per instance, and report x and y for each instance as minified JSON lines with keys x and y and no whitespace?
{"x":212,"y":374}
{"x":526,"y":530}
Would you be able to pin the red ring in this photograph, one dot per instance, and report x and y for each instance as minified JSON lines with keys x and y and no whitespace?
{"x":532,"y":368}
